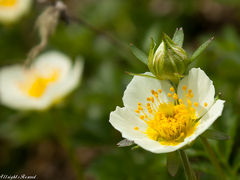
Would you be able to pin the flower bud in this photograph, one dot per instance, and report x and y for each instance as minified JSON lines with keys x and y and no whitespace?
{"x":169,"y":61}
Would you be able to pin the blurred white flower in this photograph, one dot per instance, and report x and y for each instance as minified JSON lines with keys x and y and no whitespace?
{"x":11,"y":10}
{"x":48,"y":80}
{"x":161,"y":119}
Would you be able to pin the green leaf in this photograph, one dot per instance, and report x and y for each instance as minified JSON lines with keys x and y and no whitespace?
{"x":230,"y":123}
{"x":236,"y":162}
{"x":139,"y":54}
{"x":178,"y":37}
{"x":173,"y":163}
{"x":125,"y":142}
{"x":200,"y":49}
{"x":216,"y":135}
{"x":143,"y":75}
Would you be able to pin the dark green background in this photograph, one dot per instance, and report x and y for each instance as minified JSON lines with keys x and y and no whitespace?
{"x":52,"y":144}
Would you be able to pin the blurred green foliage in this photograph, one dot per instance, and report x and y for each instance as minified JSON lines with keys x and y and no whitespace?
{"x":82,"y":119}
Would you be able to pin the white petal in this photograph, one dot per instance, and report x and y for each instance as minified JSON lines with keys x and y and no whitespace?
{"x":53,"y":60}
{"x":125,"y":120}
{"x":140,"y":88}
{"x":10,"y":94}
{"x":70,"y":82}
{"x":155,"y":146}
{"x":208,"y":119}
{"x":10,"y":14}
{"x":201,"y":86}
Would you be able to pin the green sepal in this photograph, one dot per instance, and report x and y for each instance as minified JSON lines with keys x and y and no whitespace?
{"x":216,"y":135}
{"x":200,"y":49}
{"x":151,"y":55}
{"x":178,"y":37}
{"x":139,"y":54}
{"x":143,"y":75}
{"x":173,"y":163}
{"x":135,"y":147}
{"x":218,"y":96}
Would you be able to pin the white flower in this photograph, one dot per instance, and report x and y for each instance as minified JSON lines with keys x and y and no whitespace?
{"x":49,"y":79}
{"x":161,"y":120}
{"x":11,"y":10}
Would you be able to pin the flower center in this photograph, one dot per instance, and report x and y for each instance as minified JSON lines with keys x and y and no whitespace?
{"x":8,"y":3}
{"x":36,"y":83}
{"x":171,"y":122}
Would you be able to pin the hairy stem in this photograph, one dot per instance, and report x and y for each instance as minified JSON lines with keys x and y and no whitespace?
{"x":213,"y":158}
{"x":190,"y":175}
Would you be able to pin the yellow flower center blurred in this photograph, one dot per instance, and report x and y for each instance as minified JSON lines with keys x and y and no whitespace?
{"x":8,"y":3}
{"x":36,"y":83}
{"x":171,"y":122}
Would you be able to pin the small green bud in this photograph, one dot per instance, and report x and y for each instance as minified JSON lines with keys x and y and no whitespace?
{"x":169,"y":61}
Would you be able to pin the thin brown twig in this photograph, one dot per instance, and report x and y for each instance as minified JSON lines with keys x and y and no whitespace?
{"x":107,"y":35}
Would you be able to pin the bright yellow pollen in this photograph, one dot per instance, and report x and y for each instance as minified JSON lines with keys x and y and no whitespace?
{"x":36,"y":84}
{"x":160,"y":91}
{"x":136,"y":128}
{"x":172,"y":89}
{"x":195,"y":104}
{"x":180,"y":101}
{"x":175,"y":96}
{"x":137,"y":111}
{"x":169,"y":123}
{"x":152,"y":99}
{"x":140,"y":108}
{"x":205,"y":104}
{"x":8,"y":3}
{"x":184,"y":88}
{"x":189,"y":102}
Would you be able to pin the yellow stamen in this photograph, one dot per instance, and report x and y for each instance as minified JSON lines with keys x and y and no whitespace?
{"x":180,"y":101}
{"x":136,"y":128}
{"x":195,"y":104}
{"x":175,"y":96}
{"x":140,"y":108}
{"x":189,"y":102}
{"x":137,"y":111}
{"x":205,"y":104}
{"x":172,"y":89}
{"x":169,"y":123}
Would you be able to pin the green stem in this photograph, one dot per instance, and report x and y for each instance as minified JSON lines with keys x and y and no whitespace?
{"x":71,"y":156}
{"x":63,"y":138}
{"x":213,"y":158}
{"x":190,"y":175}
